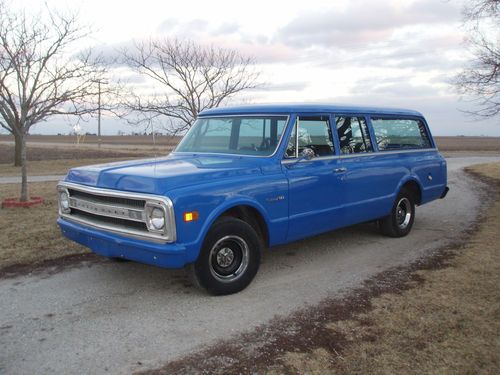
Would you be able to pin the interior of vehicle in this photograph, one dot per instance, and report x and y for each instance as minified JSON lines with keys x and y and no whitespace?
{"x":313,"y":133}
{"x":353,"y":135}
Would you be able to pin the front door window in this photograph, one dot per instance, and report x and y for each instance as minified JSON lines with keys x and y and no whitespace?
{"x":311,"y":132}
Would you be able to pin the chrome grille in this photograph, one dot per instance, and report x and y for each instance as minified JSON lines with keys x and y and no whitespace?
{"x":119,"y":223}
{"x":138,"y":203}
{"x":117,"y":211}
{"x":100,"y":207}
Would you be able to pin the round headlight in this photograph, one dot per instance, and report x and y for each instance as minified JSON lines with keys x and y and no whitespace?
{"x":64,"y":200}
{"x":157,"y":218}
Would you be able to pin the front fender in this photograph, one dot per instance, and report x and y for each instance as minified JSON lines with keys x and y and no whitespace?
{"x":213,"y":199}
{"x":227,"y":205}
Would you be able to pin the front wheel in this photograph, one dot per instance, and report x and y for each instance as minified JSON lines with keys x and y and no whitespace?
{"x":230,"y":257}
{"x":400,"y":221}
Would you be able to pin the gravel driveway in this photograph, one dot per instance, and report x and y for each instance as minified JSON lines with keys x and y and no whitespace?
{"x":119,"y":317}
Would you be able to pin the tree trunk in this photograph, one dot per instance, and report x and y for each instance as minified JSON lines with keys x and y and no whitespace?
{"x":24,"y":175}
{"x":17,"y":150}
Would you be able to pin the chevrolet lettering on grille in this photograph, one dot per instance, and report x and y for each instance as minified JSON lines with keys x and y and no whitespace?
{"x":106,"y":210}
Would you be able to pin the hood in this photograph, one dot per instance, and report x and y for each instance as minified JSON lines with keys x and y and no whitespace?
{"x":157,"y":176}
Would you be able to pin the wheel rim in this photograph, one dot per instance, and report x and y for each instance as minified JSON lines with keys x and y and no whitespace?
{"x":229,"y":258}
{"x":403,"y":213}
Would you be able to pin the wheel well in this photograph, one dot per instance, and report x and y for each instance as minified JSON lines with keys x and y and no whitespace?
{"x":415,"y":189}
{"x":252,"y":217}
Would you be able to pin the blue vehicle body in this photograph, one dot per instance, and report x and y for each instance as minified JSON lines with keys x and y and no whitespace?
{"x":291,"y":200}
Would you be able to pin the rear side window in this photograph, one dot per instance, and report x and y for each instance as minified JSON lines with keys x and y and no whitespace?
{"x":400,"y":134}
{"x":353,"y":135}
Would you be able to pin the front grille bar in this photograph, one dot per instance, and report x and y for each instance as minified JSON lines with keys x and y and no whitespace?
{"x":108,"y":210}
{"x":117,"y":211}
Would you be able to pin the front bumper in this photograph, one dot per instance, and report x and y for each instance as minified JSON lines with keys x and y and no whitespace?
{"x":446,"y":190}
{"x":169,"y":255}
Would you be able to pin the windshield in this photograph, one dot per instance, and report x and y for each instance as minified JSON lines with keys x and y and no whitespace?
{"x":250,"y":135}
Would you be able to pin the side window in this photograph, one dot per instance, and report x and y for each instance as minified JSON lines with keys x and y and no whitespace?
{"x":260,"y":134}
{"x":353,"y":135}
{"x":252,"y":134}
{"x":311,"y":132}
{"x":397,"y":134}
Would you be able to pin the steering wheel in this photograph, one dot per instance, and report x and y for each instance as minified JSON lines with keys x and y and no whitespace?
{"x":312,"y":147}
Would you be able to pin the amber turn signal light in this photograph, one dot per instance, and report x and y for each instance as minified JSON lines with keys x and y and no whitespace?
{"x":190,"y":216}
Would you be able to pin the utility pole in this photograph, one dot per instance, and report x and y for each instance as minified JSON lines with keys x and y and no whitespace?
{"x":99,"y":109}
{"x":99,"y":115}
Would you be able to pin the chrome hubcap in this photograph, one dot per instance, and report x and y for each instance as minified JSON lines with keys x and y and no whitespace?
{"x":225,"y":257}
{"x":229,"y":258}
{"x":403,"y":213}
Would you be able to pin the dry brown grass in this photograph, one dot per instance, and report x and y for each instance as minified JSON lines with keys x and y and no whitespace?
{"x":53,"y":167}
{"x":448,"y":325}
{"x":489,"y":144}
{"x":30,"y":235}
{"x":106,"y":139}
{"x":44,"y":159}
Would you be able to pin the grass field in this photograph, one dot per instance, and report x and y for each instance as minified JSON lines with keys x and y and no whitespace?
{"x":445,"y":144}
{"x":448,"y":323}
{"x":489,"y":144}
{"x":57,"y":160}
{"x":31,"y":236}
{"x":437,"y":315}
{"x":106,"y":140}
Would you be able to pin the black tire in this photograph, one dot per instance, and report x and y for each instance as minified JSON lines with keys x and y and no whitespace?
{"x":229,"y":258}
{"x":400,"y":221}
{"x":119,"y":260}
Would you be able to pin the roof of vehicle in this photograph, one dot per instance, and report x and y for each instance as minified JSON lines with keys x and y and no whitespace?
{"x":305,"y":108}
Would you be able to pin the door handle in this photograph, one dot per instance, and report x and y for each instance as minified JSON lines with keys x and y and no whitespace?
{"x":340,"y":170}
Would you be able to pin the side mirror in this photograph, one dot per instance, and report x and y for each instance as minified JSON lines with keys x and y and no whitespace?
{"x":307,"y":154}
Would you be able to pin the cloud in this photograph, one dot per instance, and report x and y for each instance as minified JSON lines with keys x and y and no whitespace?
{"x":168,"y":25}
{"x":184,"y":28}
{"x":284,"y":86}
{"x":226,"y":35}
{"x":416,"y":50}
{"x":399,"y":87}
{"x":196,"y":28}
{"x":403,"y":89}
{"x":226,"y":28}
{"x":363,"y":22}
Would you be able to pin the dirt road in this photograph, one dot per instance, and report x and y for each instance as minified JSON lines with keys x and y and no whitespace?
{"x":119,"y":317}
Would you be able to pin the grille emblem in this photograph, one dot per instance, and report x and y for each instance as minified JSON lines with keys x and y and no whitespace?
{"x":105,"y":210}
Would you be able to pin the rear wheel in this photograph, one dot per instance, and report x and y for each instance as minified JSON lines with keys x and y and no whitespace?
{"x":400,"y":221}
{"x":230,"y":257}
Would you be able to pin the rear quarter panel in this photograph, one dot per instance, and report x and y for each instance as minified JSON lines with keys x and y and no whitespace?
{"x":394,"y":169}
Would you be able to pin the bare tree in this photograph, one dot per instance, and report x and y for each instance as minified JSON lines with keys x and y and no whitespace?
{"x":190,"y":77}
{"x":40,"y":76}
{"x":481,"y":78}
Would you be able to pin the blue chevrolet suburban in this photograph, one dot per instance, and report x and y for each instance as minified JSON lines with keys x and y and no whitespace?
{"x":246,"y":178}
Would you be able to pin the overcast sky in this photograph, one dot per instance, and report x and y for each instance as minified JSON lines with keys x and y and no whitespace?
{"x":393,"y":53}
